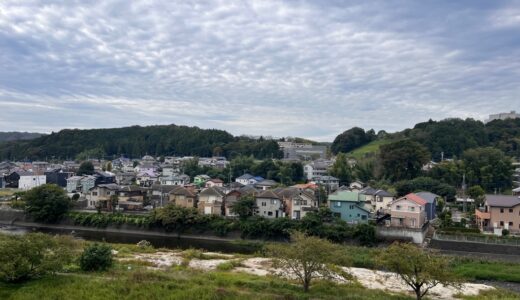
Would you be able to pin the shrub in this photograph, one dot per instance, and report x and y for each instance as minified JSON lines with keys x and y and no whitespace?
{"x":23,"y":257}
{"x":46,"y":203}
{"x":505,"y":232}
{"x":96,"y":257}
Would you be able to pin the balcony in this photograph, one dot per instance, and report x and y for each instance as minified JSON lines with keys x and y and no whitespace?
{"x":482,"y":215}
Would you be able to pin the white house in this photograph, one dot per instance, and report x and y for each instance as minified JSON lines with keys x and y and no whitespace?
{"x":29,"y":180}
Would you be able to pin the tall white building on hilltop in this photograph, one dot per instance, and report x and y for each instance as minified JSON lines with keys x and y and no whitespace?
{"x":503,"y":116}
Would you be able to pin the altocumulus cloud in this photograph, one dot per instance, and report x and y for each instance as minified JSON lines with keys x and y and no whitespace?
{"x":300,"y":68}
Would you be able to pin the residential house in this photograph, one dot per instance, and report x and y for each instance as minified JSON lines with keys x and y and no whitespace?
{"x":408,"y":211}
{"x":12,"y":179}
{"x":58,"y":177}
{"x":169,"y":171}
{"x":330,"y":183}
{"x":29,"y":180}
{"x":131,"y":193}
{"x":266,"y":184}
{"x":234,"y":195}
{"x":316,"y":168}
{"x":147,"y":178}
{"x":297,"y":203}
{"x":349,"y":206}
{"x":200,"y":180}
{"x":269,"y":205}
{"x":100,"y":196}
{"x":431,"y":204}
{"x":379,"y":200}
{"x":160,"y":194}
{"x":214,"y":182}
{"x":183,"y":197}
{"x":356,"y":185}
{"x":211,"y":201}
{"x":499,"y":212}
{"x":182,"y":179}
{"x":125,"y":178}
{"x":247,"y":179}
{"x":74,"y":184}
{"x":86,"y":183}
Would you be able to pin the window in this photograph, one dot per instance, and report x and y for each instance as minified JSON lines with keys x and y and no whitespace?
{"x":351,"y":207}
{"x":501,"y":210}
{"x":274,"y":201}
{"x":337,"y":204}
{"x":510,"y":210}
{"x":411,"y":208}
{"x":398,"y":207}
{"x":510,"y":224}
{"x":264,"y":204}
{"x":269,"y":213}
{"x":501,"y":223}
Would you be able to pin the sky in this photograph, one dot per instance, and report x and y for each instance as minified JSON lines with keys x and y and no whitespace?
{"x":276,"y":68}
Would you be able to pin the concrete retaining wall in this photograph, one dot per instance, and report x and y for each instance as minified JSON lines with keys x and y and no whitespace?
{"x":474,"y":247}
{"x":405,"y":234}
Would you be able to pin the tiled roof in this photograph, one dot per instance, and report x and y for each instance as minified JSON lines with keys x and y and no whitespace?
{"x":502,"y":200}
{"x":414,"y":198}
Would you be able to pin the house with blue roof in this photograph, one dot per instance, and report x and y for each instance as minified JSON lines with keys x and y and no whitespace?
{"x":349,"y":206}
{"x":431,"y":203}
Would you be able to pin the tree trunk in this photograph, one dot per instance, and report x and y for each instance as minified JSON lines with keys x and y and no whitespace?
{"x":306,"y":284}
{"x":418,"y":295}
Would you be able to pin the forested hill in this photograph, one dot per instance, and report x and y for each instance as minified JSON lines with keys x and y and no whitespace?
{"x":137,"y":141}
{"x":16,"y":136}
{"x":451,"y":137}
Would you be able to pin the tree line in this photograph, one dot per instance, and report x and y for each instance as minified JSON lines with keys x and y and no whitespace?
{"x":137,"y":141}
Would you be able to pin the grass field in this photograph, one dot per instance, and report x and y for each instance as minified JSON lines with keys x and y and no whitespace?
{"x":7,"y":192}
{"x":133,"y":279}
{"x":179,"y":283}
{"x":368,"y":150}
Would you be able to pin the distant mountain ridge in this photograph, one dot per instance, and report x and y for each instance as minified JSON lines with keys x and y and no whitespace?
{"x":137,"y":141}
{"x":17,"y":136}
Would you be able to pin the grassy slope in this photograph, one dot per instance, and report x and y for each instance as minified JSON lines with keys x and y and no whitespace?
{"x":368,"y":149}
{"x":132,"y":280}
{"x":180,"y":283}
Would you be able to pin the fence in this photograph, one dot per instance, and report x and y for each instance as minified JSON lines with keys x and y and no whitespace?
{"x":483,"y":239}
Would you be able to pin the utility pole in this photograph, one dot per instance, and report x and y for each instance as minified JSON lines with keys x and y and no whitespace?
{"x":464,"y":191}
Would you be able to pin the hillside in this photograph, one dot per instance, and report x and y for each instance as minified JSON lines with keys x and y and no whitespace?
{"x":136,"y":141}
{"x":16,"y":136}
{"x":450,"y":137}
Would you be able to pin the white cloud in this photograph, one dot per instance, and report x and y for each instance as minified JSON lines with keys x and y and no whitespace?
{"x":257,"y":67}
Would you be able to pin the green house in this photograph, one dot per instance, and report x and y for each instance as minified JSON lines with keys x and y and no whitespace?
{"x":349,"y":206}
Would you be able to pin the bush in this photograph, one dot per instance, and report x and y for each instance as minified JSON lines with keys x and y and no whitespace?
{"x":23,"y":257}
{"x":46,"y":203}
{"x":505,"y":232}
{"x":96,"y":257}
{"x":365,"y":234}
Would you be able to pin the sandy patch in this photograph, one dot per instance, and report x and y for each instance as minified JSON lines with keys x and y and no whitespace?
{"x":390,"y":282}
{"x":263,"y":267}
{"x":206,"y":264}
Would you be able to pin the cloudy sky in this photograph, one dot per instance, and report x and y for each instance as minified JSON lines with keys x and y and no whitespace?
{"x":280,"y":68}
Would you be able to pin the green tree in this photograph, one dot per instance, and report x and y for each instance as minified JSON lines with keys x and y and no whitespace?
{"x":23,"y":257}
{"x":403,"y":159}
{"x":478,"y":194}
{"x":86,"y":168}
{"x":46,"y":203}
{"x":96,"y":257}
{"x":175,"y":218}
{"x":244,"y":207}
{"x":306,"y":257}
{"x":341,"y":169}
{"x":114,"y":201}
{"x":420,"y":270}
{"x":489,"y":168}
{"x":352,"y":139}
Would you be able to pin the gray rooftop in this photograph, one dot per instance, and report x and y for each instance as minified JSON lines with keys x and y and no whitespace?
{"x":429,"y":197}
{"x":502,"y":200}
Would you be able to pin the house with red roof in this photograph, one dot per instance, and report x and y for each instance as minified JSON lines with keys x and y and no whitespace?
{"x":408,"y":211}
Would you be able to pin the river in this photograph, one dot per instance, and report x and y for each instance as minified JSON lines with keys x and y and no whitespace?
{"x":171,"y":242}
